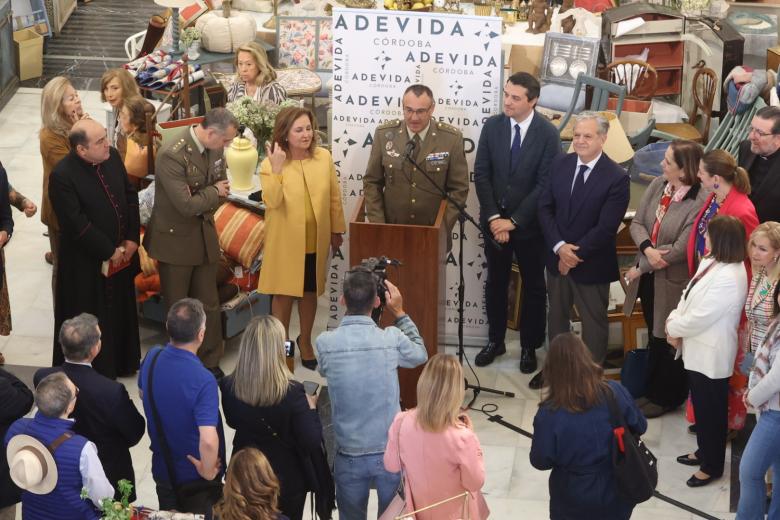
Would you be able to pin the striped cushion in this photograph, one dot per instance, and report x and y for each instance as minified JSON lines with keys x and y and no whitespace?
{"x":241,"y":233}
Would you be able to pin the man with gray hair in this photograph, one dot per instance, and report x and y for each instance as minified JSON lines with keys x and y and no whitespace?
{"x":49,"y":493}
{"x":104,"y":412}
{"x":191,"y":183}
{"x":580,"y":210}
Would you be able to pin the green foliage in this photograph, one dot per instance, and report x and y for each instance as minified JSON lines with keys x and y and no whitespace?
{"x":115,"y":509}
{"x":258,"y":117}
{"x":188,"y":36}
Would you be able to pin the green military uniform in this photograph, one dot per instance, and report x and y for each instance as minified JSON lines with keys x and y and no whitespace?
{"x":396,"y":193}
{"x":181,"y":234}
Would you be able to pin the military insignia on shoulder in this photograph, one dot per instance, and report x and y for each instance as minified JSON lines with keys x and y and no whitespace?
{"x":389,"y":124}
{"x":447,"y":128}
{"x":178,"y":146}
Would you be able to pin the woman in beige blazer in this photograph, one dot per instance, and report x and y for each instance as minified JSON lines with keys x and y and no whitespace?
{"x":660,"y":230}
{"x":60,"y":108}
{"x":304,"y":219}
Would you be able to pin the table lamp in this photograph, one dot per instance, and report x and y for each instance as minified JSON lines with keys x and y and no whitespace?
{"x":174,"y":5}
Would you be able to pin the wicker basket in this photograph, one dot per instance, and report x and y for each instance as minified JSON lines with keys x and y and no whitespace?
{"x":483,"y":9}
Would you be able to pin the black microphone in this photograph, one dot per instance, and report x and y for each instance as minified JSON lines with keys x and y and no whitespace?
{"x":410,"y":146}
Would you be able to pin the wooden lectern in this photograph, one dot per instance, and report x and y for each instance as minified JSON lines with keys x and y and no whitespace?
{"x":420,"y":278}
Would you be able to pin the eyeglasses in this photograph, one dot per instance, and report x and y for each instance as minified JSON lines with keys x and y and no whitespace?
{"x":418,"y":112}
{"x":760,"y":133}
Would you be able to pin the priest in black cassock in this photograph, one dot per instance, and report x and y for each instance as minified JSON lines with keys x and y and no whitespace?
{"x":97,"y":209}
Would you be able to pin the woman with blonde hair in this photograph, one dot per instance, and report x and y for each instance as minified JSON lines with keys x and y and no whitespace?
{"x":60,"y":108}
{"x":251,"y":489}
{"x":117,"y":85}
{"x":255,"y":77}
{"x":762,"y":303}
{"x":573,"y":434}
{"x":132,"y":120}
{"x":436,"y":447}
{"x":270,"y":411}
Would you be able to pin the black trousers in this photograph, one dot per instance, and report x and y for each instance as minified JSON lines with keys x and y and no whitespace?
{"x":667,"y":382}
{"x":533,"y":308}
{"x":710,"y":404}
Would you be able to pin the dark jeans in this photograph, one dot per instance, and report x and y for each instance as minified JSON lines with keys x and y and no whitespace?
{"x":710,"y":402}
{"x":533,"y":308}
{"x":667,"y":382}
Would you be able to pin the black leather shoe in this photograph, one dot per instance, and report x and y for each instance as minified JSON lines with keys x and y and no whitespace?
{"x":527,"y":361}
{"x":489,"y":353}
{"x":536,"y":382}
{"x":686,"y":460}
{"x":695,"y":481}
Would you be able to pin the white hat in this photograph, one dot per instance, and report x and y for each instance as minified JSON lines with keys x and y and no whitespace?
{"x":31,"y":465}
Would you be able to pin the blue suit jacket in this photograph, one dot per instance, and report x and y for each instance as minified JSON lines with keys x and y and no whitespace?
{"x":590,"y":221}
{"x":514,"y":194}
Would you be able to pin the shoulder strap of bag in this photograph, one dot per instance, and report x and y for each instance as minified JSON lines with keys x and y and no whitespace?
{"x":615,"y":417}
{"x":56,"y":443}
{"x":166,"y":450}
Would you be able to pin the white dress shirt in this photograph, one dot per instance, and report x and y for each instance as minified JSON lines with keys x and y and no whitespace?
{"x":93,"y":477}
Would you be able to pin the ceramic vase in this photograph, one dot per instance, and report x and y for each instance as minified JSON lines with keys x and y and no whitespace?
{"x":193,"y":51}
{"x":241,"y":158}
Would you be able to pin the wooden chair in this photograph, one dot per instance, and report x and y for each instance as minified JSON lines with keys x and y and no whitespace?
{"x":601,"y":92}
{"x":733,"y":129}
{"x":705,"y":85}
{"x":639,"y":77}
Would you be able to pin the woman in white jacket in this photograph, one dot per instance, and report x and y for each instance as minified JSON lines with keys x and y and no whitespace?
{"x":704,"y":329}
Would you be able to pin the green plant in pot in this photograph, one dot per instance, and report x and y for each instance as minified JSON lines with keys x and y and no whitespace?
{"x":115,"y":509}
{"x":188,"y":38}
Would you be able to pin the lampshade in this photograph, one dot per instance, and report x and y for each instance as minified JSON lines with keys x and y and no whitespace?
{"x":617,"y":147}
{"x":181,"y":4}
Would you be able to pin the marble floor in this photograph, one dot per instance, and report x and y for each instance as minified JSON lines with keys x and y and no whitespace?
{"x":513,"y":488}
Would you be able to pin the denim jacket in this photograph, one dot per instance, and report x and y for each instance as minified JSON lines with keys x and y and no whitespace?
{"x":360,"y":362}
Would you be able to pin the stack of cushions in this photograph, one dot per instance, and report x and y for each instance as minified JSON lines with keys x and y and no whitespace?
{"x":241,"y":235}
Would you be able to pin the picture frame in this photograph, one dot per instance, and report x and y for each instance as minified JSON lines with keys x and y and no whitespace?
{"x":305,"y":41}
{"x":188,"y":15}
{"x":514,"y":299}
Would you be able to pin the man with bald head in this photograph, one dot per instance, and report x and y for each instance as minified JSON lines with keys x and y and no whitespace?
{"x":97,"y":209}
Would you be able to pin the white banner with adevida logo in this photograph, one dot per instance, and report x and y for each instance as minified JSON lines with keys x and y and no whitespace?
{"x":377,"y":54}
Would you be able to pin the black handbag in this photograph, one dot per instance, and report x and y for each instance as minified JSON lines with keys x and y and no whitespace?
{"x":634,"y":466}
{"x":198,"y":496}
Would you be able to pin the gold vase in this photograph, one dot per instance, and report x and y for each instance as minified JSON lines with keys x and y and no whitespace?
{"x":241,"y":158}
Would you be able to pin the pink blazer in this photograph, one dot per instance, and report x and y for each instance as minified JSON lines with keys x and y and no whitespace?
{"x":438,"y":466}
{"x":737,"y":204}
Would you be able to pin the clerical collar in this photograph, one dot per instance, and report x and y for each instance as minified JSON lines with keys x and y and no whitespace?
{"x":771,"y":156}
{"x":422,"y":133}
{"x":198,"y":144}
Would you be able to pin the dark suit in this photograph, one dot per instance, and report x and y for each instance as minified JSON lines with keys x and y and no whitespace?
{"x":16,"y":401}
{"x":105,"y":415}
{"x":589,"y":220}
{"x":514,"y":194}
{"x":765,"y":194}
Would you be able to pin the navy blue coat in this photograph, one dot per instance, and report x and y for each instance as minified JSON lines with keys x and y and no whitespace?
{"x":589,"y":221}
{"x":514,"y":194}
{"x":577,"y":447}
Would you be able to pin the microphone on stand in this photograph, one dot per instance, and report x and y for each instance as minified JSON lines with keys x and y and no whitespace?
{"x":410,"y":146}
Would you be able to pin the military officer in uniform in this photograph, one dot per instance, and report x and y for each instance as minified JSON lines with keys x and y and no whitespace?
{"x":395,"y":192}
{"x":190,"y":185}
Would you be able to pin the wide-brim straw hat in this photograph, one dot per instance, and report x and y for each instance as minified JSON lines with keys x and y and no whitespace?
{"x":31,"y":465}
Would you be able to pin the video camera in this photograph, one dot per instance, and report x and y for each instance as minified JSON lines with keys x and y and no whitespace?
{"x":377,"y":266}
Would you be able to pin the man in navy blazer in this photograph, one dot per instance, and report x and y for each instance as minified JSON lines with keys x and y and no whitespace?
{"x":580,"y":211}
{"x":512,"y":164}
{"x":104,"y":412}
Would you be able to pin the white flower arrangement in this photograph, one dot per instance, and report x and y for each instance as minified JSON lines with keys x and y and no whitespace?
{"x":258,"y":117}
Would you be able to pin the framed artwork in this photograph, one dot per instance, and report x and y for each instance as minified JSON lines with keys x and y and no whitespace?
{"x":514,"y":299}
{"x":305,"y":41}
{"x":188,"y":15}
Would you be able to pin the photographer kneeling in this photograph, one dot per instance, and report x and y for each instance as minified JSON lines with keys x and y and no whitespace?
{"x":360,"y":362}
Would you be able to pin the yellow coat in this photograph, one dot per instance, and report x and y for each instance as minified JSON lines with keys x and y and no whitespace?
{"x":285,"y":221}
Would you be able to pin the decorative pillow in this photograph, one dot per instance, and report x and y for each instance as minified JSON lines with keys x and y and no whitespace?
{"x":241,"y":233}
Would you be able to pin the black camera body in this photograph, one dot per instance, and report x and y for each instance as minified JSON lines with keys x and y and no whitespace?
{"x":377,"y":266}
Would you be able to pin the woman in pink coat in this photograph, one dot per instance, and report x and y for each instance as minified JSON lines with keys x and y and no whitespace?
{"x":436,"y":447}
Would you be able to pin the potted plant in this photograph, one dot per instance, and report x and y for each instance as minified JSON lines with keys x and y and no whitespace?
{"x":116,"y":509}
{"x":190,"y":42}
{"x":258,"y":117}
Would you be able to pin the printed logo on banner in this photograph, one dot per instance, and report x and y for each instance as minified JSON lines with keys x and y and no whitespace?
{"x":376,"y":56}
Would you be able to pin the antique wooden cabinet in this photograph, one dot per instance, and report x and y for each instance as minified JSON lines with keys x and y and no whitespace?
{"x":9,"y":80}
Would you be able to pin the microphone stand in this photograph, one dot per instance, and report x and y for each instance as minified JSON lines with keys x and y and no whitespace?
{"x":463,"y":216}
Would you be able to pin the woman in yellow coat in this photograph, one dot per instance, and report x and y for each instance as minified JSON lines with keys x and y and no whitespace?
{"x":304,"y":218}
